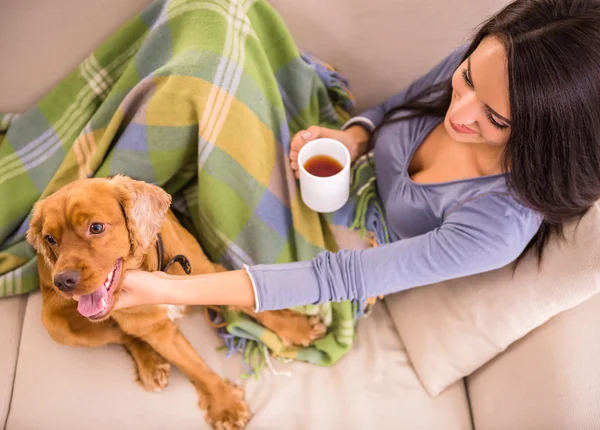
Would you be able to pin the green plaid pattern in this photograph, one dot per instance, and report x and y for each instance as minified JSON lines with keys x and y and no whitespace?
{"x":200,"y":97}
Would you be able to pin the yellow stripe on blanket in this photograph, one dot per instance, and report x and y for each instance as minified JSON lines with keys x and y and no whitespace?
{"x":223,"y":121}
{"x":241,"y":131}
{"x":9,"y":262}
{"x":307,"y":223}
{"x":177,"y":101}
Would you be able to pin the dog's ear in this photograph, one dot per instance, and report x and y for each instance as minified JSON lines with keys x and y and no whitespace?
{"x":144,"y":206}
{"x":34,"y":233}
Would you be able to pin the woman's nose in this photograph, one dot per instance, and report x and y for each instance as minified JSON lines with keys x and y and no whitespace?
{"x":465,"y":109}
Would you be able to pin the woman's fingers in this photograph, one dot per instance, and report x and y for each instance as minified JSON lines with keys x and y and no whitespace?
{"x":300,"y":139}
{"x":314,"y":132}
{"x":297,"y":143}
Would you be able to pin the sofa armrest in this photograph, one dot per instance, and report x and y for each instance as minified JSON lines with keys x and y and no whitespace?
{"x":550,"y":379}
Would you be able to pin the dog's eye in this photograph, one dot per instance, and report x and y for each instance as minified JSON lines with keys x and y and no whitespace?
{"x":50,"y":239}
{"x":96,"y":228}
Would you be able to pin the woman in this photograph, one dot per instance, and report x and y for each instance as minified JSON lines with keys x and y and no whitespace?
{"x":482,"y":158}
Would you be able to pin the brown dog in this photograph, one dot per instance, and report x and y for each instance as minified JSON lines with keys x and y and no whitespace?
{"x":86,"y":235}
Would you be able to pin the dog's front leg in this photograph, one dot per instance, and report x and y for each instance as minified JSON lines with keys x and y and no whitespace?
{"x":224,"y":403}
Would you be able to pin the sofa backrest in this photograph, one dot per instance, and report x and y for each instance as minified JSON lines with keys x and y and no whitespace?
{"x":380,"y":45}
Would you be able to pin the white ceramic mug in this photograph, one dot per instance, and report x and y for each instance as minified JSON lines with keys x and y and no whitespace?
{"x":325,"y":194}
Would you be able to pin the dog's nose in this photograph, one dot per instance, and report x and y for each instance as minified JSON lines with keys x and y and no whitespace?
{"x":67,"y":280}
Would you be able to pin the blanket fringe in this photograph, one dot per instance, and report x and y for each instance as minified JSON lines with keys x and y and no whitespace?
{"x":252,"y":352}
{"x":367,"y":197}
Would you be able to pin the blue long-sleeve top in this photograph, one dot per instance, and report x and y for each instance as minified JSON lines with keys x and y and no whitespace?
{"x":438,"y":231}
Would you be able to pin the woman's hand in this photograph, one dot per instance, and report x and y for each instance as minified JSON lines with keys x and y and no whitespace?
{"x":140,"y":288}
{"x":143,"y":288}
{"x":354,"y":138}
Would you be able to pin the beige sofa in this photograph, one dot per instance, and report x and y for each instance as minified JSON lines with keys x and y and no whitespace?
{"x":544,"y":381}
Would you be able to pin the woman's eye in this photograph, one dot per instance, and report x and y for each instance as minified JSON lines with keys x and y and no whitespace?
{"x":495,"y":123}
{"x":96,"y":228}
{"x":50,"y":239}
{"x":467,"y":78}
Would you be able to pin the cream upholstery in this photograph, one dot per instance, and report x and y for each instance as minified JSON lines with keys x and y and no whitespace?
{"x":546,"y":381}
{"x":452,"y":328}
{"x":381,"y":45}
{"x":11,"y":320}
{"x":81,"y":388}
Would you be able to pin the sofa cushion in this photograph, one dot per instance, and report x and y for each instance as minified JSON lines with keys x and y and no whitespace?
{"x":452,"y":328}
{"x":12,"y":311}
{"x":550,"y":381}
{"x":373,"y":386}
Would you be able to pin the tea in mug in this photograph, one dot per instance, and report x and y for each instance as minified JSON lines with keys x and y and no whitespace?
{"x":323,"y":166}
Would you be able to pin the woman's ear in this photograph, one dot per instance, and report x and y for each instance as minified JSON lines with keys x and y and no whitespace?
{"x":144,"y":206}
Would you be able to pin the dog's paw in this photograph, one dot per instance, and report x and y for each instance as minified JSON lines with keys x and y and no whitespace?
{"x":154,"y":372}
{"x":226,"y":408}
{"x":301,"y":330}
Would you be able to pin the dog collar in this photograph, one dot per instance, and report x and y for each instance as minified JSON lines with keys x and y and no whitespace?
{"x":179,"y":258}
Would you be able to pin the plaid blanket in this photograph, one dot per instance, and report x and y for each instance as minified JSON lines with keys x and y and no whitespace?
{"x":200,"y":97}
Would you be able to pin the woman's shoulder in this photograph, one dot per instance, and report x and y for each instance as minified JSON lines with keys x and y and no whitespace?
{"x":501,"y":213}
{"x":498,"y":200}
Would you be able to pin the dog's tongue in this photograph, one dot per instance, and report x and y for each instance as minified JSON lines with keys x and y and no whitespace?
{"x":91,"y":304}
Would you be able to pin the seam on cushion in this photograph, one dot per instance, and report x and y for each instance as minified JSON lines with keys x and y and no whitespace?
{"x":15,"y":356}
{"x":469,"y":403}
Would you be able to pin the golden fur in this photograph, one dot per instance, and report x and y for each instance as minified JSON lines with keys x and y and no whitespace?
{"x":132,"y":214}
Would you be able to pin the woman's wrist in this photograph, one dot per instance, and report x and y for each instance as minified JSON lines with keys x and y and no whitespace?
{"x":175,"y":289}
{"x":222,"y":288}
{"x":165,"y":289}
{"x":360,"y":140}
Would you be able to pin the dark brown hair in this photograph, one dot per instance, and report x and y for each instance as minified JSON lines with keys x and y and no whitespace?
{"x":553,"y":152}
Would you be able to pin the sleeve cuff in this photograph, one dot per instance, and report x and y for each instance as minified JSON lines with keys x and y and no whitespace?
{"x":256,"y":300}
{"x":284,"y":285}
{"x":362,"y":121}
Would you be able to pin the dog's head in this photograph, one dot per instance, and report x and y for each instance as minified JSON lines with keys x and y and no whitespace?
{"x":89,"y":229}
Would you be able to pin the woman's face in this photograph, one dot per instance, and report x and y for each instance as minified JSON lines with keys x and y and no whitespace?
{"x":480,"y":107}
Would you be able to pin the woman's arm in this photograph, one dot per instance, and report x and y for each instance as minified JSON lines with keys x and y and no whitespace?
{"x":233,"y":288}
{"x":481,"y":235}
{"x":354,"y":134}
